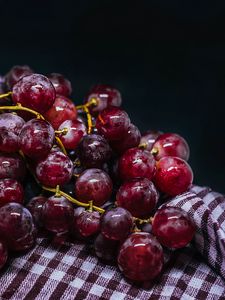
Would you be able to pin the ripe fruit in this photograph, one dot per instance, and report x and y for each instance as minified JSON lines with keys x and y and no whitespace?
{"x":173,"y":175}
{"x":34,"y":91}
{"x":61,"y":84}
{"x":141,"y":257}
{"x":136,"y":163}
{"x":10,"y":191}
{"x":88,"y":223}
{"x":149,"y":137}
{"x":35,"y":206}
{"x":15,"y":74}
{"x":173,"y":227}
{"x":12,"y":166}
{"x":106,"y":249}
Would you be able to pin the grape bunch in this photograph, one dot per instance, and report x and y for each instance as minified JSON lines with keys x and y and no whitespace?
{"x":85,"y":172}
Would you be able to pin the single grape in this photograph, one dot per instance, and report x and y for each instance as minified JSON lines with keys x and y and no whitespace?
{"x":15,"y":74}
{"x":171,"y":144}
{"x":173,"y":175}
{"x":35,"y":206}
{"x":106,"y":249}
{"x":74,"y":229}
{"x":16,"y":227}
{"x":10,"y":127}
{"x":88,"y":223}
{"x":62,"y":109}
{"x":140,"y":257}
{"x":11,"y":191}
{"x":113,"y":123}
{"x":136,"y":163}
{"x":12,"y":166}
{"x":3,"y":254}
{"x":105,"y":96}
{"x":61,"y":84}
{"x":138,"y":196}
{"x":55,"y":169}
{"x":149,"y":137}
{"x":130,"y":140}
{"x":95,"y":185}
{"x":57,"y":214}
{"x":34,"y":91}
{"x":116,"y":223}
{"x":93,"y":151}
{"x":173,"y":227}
{"x":75,"y":131}
{"x":36,"y":138}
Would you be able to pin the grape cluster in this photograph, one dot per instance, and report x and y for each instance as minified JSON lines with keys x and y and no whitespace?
{"x":85,"y":172}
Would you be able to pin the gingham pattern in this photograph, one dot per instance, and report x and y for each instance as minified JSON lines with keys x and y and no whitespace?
{"x":71,"y":272}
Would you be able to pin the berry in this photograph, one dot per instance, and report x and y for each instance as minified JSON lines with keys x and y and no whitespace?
{"x":36,"y":138}
{"x":55,"y":169}
{"x":113,"y":123}
{"x":136,"y":163}
{"x":93,"y":151}
{"x":12,"y":166}
{"x":149,"y":138}
{"x":116,"y":223}
{"x":88,"y":223}
{"x":35,"y":206}
{"x":140,"y":257}
{"x":34,"y":91}
{"x":173,"y":175}
{"x":3,"y":254}
{"x":75,"y":131}
{"x":57,"y":214}
{"x":105,"y":96}
{"x":74,"y":229}
{"x":10,"y":191}
{"x":95,"y":185}
{"x":171,"y":144}
{"x":173,"y":227}
{"x":15,"y":74}
{"x":106,"y":249}
{"x":61,"y":84}
{"x":62,"y":109}
{"x":10,"y":127}
{"x":138,"y":196}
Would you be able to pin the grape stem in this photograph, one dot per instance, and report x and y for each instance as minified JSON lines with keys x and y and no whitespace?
{"x":5,"y":95}
{"x":85,"y":108}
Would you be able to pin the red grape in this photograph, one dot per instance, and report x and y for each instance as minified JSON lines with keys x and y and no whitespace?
{"x":61,"y":84}
{"x":12,"y":166}
{"x":3,"y":254}
{"x":15,"y":74}
{"x":106,"y":249}
{"x":116,"y":223}
{"x":149,"y":137}
{"x":173,"y":227}
{"x":88,"y":223}
{"x":141,"y":257}
{"x":138,"y":196}
{"x":173,"y":175}
{"x":35,"y":206}
{"x":34,"y":91}
{"x":136,"y":163}
{"x":36,"y":138}
{"x":11,"y":191}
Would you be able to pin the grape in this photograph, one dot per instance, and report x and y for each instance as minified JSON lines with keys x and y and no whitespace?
{"x":93,"y":151}
{"x":36,"y":138}
{"x":173,"y":175}
{"x":106,"y":249}
{"x":173,"y":227}
{"x":61,"y":84}
{"x":35,"y":206}
{"x":149,"y":137}
{"x":55,"y":169}
{"x":15,"y":74}
{"x":130,"y":140}
{"x":88,"y":223}
{"x":141,"y":257}
{"x":76,"y":130}
{"x":138,"y":196}
{"x":10,"y":191}
{"x":116,"y":223}
{"x":136,"y":163}
{"x":105,"y":96}
{"x":74,"y":229}
{"x":16,"y":227}
{"x":57,"y":214}
{"x":62,"y":109}
{"x":34,"y":91}
{"x":171,"y":144}
{"x":12,"y":166}
{"x":113,"y":123}
{"x":95,"y":185}
{"x":3,"y":254}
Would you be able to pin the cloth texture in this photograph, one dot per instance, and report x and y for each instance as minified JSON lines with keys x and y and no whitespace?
{"x":72,"y":272}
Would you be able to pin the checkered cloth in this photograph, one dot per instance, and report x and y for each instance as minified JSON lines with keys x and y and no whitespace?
{"x":71,"y":272}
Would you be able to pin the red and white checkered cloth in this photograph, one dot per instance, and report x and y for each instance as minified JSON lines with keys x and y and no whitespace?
{"x":71,"y":272}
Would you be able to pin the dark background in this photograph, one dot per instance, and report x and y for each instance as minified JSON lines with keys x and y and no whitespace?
{"x":166,"y":57}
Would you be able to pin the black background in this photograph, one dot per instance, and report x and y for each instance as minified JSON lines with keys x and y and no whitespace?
{"x":166,"y":57}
